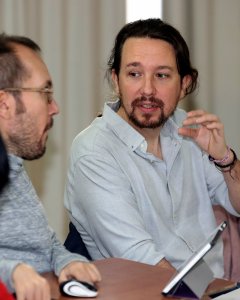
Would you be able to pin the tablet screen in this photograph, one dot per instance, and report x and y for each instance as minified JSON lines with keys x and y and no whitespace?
{"x":195,"y":258}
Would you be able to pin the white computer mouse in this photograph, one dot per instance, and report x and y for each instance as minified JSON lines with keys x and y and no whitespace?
{"x":77,"y":288}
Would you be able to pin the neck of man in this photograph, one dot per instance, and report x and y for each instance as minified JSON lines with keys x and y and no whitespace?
{"x":151,"y":135}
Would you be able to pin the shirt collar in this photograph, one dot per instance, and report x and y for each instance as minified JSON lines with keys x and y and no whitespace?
{"x":170,"y":128}
{"x":15,"y":162}
{"x":130,"y":136}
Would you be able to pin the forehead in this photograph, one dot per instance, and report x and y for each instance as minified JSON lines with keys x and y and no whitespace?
{"x":38,"y":71}
{"x":148,"y":51}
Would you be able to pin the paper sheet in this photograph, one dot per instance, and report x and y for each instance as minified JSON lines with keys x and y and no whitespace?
{"x":234,"y":295}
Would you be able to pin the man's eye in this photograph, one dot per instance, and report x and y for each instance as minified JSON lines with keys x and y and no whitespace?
{"x":162,"y":75}
{"x":49,"y":97}
{"x":134,"y":74}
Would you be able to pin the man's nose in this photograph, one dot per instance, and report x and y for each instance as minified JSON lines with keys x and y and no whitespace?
{"x":54,"y":109}
{"x":148,"y":87}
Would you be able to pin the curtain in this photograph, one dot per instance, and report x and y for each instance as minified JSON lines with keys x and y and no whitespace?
{"x":211,"y":29}
{"x":76,"y":37}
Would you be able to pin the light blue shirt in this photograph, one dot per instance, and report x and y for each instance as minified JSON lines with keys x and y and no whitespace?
{"x":128,"y":203}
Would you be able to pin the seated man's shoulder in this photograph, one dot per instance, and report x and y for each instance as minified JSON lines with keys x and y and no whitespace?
{"x":90,"y":136}
{"x":95,"y":139}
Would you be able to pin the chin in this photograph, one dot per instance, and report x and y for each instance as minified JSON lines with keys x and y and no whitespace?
{"x":34,"y":153}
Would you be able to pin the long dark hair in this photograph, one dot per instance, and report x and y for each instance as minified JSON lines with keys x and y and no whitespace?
{"x":155,"y":29}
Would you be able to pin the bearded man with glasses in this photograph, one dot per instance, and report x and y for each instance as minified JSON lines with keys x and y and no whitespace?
{"x":27,"y":245}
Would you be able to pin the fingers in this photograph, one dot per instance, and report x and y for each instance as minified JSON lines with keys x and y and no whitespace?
{"x":81,"y":271}
{"x":165,"y":264}
{"x":188,"y":132}
{"x":200,"y":117}
{"x":29,"y":285}
{"x":36,"y":290}
{"x":94,"y":273}
{"x":63,"y":277}
{"x":206,"y":130}
{"x":197,"y":118}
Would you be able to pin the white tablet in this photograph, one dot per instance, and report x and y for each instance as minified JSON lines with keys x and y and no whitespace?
{"x":194,"y":259}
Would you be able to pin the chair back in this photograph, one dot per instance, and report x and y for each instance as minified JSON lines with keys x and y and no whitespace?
{"x":74,"y":242}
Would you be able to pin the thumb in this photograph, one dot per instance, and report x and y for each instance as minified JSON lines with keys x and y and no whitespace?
{"x":62,"y":277}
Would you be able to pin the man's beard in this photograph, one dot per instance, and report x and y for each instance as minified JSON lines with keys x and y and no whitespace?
{"x":145,"y":121}
{"x":24,"y":144}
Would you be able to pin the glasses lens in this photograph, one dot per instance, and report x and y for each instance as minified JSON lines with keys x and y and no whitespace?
{"x":48,"y":95}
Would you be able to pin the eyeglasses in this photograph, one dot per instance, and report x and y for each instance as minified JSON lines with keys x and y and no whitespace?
{"x":48,"y":92}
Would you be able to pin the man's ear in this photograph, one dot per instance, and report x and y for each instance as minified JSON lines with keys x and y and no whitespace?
{"x":5,"y":105}
{"x":115,"y":81}
{"x":186,"y":81}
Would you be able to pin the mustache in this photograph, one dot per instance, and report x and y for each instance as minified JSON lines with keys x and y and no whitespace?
{"x":156,"y":101}
{"x":50,"y":124}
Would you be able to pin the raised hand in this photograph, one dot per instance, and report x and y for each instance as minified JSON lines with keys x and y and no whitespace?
{"x":207,"y":131}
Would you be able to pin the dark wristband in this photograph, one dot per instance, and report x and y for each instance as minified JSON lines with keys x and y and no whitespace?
{"x":231,"y":164}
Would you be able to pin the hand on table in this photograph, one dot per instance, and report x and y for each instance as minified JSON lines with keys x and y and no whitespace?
{"x":83,"y":271}
{"x":29,"y":285}
{"x":166,"y":265}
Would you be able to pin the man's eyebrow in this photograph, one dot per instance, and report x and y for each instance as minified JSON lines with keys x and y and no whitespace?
{"x":165,"y":67}
{"x":133,"y":64}
{"x":161,"y":67}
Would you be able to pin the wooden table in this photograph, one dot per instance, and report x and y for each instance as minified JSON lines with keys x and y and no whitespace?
{"x":128,"y":280}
